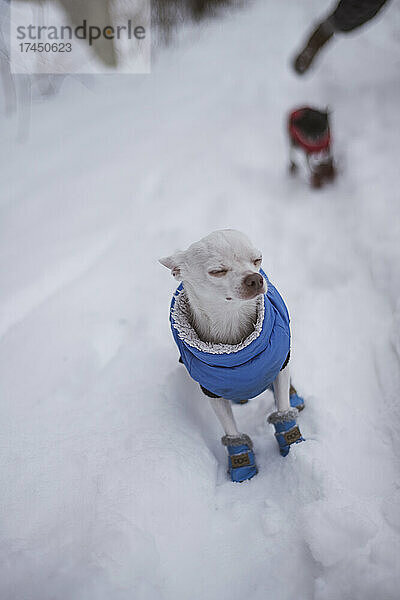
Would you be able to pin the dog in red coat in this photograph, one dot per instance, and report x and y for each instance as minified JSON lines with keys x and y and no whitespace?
{"x":310,"y":133}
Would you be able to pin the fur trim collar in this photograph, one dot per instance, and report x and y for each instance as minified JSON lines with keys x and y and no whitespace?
{"x":182,"y":323}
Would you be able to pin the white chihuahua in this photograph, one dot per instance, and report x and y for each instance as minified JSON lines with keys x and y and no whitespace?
{"x":232,"y":330}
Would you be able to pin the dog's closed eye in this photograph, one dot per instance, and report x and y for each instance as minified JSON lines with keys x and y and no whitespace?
{"x":257,"y":262}
{"x":217,"y":272}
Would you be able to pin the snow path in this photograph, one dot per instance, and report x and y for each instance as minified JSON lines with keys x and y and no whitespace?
{"x":113,"y":475}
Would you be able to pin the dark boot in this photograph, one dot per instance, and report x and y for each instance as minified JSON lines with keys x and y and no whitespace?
{"x":316,"y":181}
{"x":320,"y":36}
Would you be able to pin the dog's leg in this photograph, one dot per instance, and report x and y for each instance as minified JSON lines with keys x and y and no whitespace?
{"x":285,"y":392}
{"x":284,"y":418}
{"x":223,"y":410}
{"x":281,"y":390}
{"x":292,"y":162}
{"x":241,"y":459}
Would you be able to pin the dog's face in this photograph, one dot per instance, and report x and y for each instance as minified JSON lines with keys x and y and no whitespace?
{"x":223,"y":264}
{"x":313,"y":123}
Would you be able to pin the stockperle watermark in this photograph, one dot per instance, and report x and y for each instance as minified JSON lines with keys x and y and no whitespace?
{"x":91,"y":36}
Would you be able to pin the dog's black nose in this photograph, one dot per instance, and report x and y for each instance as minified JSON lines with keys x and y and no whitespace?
{"x":254,"y":281}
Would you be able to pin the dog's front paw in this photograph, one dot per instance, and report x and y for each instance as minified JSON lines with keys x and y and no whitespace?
{"x":241,"y":460}
{"x":287,"y":431}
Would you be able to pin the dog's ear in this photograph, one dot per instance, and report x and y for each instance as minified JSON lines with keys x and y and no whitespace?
{"x":173,"y":262}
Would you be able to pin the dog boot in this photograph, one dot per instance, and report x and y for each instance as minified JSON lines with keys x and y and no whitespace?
{"x":296,"y":401}
{"x":241,"y":461}
{"x":287,"y":431}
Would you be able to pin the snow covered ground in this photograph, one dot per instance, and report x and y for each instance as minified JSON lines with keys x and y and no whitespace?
{"x":113,"y":478}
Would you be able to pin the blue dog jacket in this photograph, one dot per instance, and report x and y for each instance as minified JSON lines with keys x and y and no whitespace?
{"x":236,"y":372}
